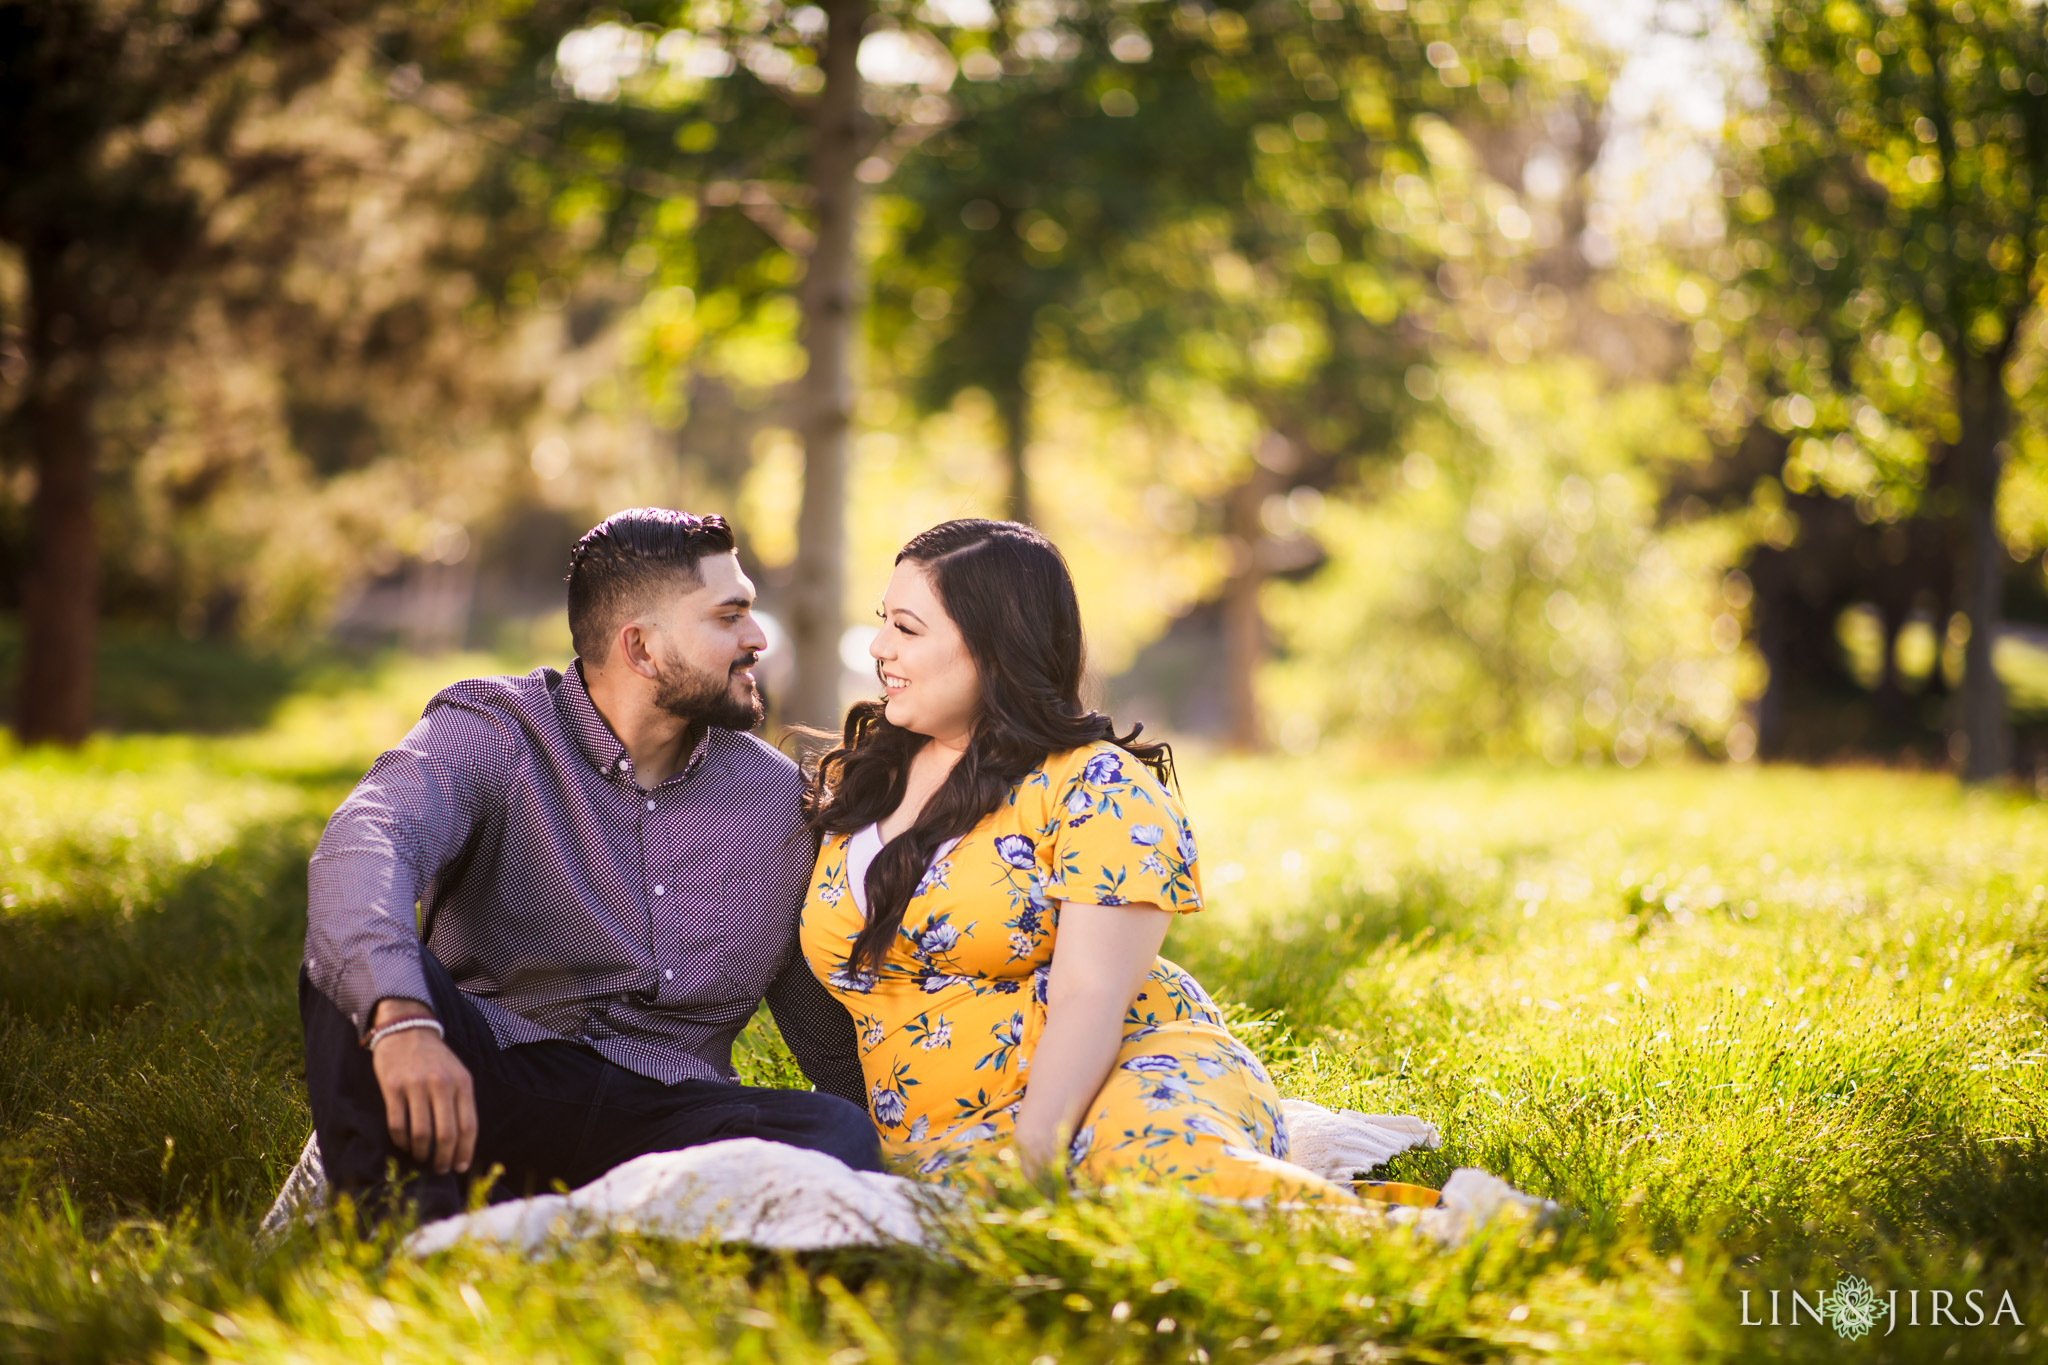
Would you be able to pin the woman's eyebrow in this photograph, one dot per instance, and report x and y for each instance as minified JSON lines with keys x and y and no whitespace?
{"x":907,"y":612}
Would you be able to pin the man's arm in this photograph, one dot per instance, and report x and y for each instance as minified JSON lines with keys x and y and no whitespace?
{"x":408,"y":817}
{"x":818,"y":1030}
{"x":412,"y":814}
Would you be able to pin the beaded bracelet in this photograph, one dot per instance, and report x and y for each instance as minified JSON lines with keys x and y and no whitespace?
{"x":401,"y":1025}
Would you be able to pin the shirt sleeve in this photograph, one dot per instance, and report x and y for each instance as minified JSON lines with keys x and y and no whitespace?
{"x":818,"y":1030}
{"x":407,"y":819}
{"x":1119,"y":837}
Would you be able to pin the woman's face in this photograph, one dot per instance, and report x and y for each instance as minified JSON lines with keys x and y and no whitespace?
{"x":932,"y":686}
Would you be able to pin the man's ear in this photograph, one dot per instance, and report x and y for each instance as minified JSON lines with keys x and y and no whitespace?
{"x":632,"y":648}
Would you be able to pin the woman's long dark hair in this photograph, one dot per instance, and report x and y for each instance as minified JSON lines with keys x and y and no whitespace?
{"x":1008,"y":590}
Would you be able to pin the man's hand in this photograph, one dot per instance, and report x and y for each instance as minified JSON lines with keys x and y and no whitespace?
{"x":429,"y":1098}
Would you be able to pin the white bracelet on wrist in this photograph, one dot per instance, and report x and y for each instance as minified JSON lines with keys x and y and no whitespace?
{"x":378,"y":1035}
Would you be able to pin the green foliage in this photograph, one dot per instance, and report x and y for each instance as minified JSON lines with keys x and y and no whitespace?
{"x":1757,"y":1028}
{"x":1895,"y":188}
{"x":1509,"y":591}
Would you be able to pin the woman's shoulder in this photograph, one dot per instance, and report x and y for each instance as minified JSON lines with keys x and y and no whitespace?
{"x":1104,"y":765}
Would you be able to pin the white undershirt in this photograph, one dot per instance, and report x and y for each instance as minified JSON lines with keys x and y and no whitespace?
{"x":860,"y":854}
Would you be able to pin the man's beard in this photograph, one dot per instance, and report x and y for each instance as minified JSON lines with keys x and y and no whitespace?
{"x":692,"y":694}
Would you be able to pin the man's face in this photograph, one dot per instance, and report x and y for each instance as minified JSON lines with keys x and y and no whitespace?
{"x":706,"y":640}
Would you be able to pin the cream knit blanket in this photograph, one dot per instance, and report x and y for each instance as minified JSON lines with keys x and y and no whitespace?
{"x":770,"y":1195}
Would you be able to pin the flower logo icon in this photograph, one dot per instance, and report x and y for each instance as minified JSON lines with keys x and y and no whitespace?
{"x":1853,"y":1307}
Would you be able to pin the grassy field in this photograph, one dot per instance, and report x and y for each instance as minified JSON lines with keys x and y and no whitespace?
{"x":1759,"y":1030}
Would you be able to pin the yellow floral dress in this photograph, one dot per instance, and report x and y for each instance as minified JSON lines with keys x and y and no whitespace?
{"x":948,"y":1026}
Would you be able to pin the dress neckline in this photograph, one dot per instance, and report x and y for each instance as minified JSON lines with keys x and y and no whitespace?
{"x":861,"y":848}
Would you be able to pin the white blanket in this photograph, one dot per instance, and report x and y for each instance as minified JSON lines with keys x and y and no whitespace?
{"x":767,"y":1194}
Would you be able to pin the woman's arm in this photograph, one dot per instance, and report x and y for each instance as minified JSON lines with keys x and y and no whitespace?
{"x":1098,"y":961}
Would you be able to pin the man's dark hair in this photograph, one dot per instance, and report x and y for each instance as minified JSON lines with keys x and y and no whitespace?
{"x":624,"y":559}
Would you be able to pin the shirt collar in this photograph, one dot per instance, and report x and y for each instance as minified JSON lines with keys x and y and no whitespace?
{"x":595,"y":738}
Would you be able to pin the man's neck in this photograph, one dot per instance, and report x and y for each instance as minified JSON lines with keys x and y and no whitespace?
{"x":658,"y":741}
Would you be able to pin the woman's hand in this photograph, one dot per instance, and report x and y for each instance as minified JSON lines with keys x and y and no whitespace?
{"x":1099,"y":960}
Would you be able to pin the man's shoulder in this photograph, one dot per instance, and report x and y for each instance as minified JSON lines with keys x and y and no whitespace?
{"x":520,"y":692}
{"x":511,"y":704}
{"x":757,"y":762}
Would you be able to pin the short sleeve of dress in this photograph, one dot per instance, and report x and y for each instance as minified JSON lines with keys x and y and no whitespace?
{"x":1119,"y":837}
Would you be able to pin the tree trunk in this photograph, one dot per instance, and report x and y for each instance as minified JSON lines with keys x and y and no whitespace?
{"x":1244,"y":624}
{"x":1985,"y":737}
{"x":830,"y":303}
{"x":1013,"y":407}
{"x":1894,"y":713}
{"x":60,"y":590}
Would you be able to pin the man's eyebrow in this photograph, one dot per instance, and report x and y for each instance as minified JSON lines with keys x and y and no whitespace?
{"x":737,"y":601}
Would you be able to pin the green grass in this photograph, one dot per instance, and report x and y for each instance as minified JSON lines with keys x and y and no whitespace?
{"x":1759,"y":1029}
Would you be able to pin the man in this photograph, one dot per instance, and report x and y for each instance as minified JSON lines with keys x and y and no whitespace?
{"x":609,"y":870}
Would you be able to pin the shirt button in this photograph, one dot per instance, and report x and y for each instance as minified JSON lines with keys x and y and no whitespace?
{"x":668,"y":975}
{"x":650,"y":805}
{"x":660,"y":890}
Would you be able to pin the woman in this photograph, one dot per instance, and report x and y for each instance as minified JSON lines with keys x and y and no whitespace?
{"x":996,"y":874}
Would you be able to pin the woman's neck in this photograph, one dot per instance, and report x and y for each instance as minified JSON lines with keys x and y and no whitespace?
{"x":929,"y":767}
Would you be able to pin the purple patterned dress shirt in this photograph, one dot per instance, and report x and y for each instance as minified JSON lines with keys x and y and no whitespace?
{"x":566,"y":901}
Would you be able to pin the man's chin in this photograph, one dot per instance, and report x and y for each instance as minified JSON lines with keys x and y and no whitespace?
{"x":743,"y":709}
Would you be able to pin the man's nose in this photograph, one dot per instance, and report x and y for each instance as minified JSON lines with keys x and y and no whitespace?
{"x":754,"y":637}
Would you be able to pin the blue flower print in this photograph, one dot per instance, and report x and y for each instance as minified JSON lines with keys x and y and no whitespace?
{"x":1009,"y":1036}
{"x":980,"y":1132}
{"x":938,"y":1162}
{"x":1078,"y":1148}
{"x":1103,"y":769}
{"x":887,"y":1105}
{"x":920,"y":1130}
{"x":1147,"y":836}
{"x":1185,"y":844}
{"x":1206,"y":1126}
{"x":1041,"y":984}
{"x":1080,"y":806}
{"x":1017,"y":850}
{"x":849,"y":980}
{"x":1004,"y":985}
{"x":934,"y":878}
{"x":934,"y":982}
{"x":1165,"y":1092}
{"x":1212,"y":1067}
{"x":1153,"y":1064}
{"x":930,"y":1035}
{"x":937,"y":936}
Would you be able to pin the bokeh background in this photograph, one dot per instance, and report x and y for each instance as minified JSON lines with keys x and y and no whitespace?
{"x":1434,"y":378}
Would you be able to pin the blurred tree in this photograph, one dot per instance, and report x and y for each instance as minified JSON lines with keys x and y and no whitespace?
{"x":1890,"y":213}
{"x":759,"y":114}
{"x":1221,"y":196}
{"x":1507,"y":590}
{"x":110,"y":109}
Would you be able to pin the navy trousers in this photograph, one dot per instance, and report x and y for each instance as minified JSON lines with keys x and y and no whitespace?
{"x":546,"y":1112}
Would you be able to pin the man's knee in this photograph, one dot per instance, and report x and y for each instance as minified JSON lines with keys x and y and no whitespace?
{"x":838,"y":1128}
